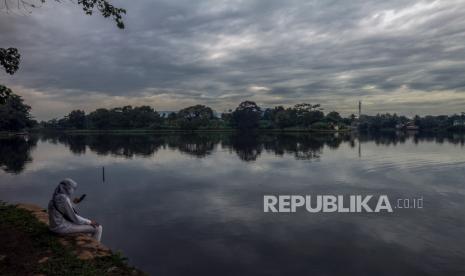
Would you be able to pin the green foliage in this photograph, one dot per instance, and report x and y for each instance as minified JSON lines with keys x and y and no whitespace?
{"x":195,"y":117}
{"x":14,"y":114}
{"x":125,"y":117}
{"x":101,"y":118}
{"x":307,"y":114}
{"x":427,"y":123}
{"x":334,"y":117}
{"x":77,"y":119}
{"x":105,"y":8}
{"x":321,"y":126}
{"x":226,"y":118}
{"x":61,"y":261}
{"x":381,"y":122}
{"x":284,"y":118}
{"x":145,"y":116}
{"x":5,"y":92}
{"x":9,"y":59}
{"x":246,"y":115}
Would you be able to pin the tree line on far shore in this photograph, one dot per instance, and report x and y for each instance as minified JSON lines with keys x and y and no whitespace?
{"x":15,"y":116}
{"x":248,"y":115}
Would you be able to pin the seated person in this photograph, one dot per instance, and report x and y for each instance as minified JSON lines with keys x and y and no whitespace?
{"x":62,"y":216}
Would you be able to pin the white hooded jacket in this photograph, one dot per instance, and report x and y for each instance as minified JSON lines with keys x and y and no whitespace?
{"x":60,"y":209}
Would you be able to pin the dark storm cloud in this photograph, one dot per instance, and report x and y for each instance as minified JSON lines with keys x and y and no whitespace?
{"x":174,"y":53}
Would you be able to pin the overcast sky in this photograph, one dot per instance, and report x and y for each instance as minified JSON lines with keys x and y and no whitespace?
{"x":395,"y":56}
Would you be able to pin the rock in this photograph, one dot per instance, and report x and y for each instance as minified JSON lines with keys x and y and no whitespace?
{"x":43,"y":260}
{"x":85,"y":247}
{"x":112,"y":269}
{"x":85,"y":255}
{"x":38,"y":212}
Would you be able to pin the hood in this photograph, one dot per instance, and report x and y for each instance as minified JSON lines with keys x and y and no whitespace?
{"x":67,"y":187}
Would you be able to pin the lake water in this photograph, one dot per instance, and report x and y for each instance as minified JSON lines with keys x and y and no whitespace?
{"x":192,"y":204}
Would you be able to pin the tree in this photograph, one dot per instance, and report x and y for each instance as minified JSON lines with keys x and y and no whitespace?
{"x":312,"y":117}
{"x":14,"y":114}
{"x":282,"y":118}
{"x":105,"y":8}
{"x":77,"y":119}
{"x":247,"y":115}
{"x":307,"y":114}
{"x":145,"y":117}
{"x":4,"y":93}
{"x":171,"y":119}
{"x":10,"y":57}
{"x":226,"y":118}
{"x":333,"y":117}
{"x":100,"y":118}
{"x":196,"y":116}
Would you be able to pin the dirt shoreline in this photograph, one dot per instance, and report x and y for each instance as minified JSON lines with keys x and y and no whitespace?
{"x":29,"y":248}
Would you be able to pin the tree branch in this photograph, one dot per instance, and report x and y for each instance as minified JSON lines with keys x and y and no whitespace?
{"x":9,"y":59}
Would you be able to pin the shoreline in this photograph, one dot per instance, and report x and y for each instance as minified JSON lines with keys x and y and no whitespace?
{"x":28,"y":247}
{"x":6,"y":134}
{"x":148,"y":131}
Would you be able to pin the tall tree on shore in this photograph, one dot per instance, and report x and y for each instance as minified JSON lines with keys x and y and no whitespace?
{"x":77,"y":119}
{"x":4,"y":93}
{"x":247,"y":115}
{"x":14,"y":114}
{"x":334,"y":117}
{"x":308,"y":114}
{"x":196,"y":116}
{"x":145,"y":117}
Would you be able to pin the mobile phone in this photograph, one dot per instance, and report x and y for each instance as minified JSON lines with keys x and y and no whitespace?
{"x":82,"y":198}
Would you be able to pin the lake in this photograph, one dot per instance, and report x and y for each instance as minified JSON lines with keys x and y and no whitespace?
{"x":192,"y":204}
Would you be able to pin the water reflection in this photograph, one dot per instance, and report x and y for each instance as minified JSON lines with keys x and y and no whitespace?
{"x":191,"y":204}
{"x":15,"y":151}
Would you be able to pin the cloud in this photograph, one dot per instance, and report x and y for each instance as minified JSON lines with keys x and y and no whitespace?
{"x":176,"y":53}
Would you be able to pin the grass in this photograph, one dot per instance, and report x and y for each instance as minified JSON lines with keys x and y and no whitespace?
{"x":28,"y":247}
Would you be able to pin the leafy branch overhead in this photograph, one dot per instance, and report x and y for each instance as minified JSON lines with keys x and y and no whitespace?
{"x":105,"y":8}
{"x":10,"y":57}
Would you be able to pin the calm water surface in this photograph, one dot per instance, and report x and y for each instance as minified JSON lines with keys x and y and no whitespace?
{"x":192,"y":204}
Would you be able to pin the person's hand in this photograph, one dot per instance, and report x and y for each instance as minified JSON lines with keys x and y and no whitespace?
{"x":94,"y":223}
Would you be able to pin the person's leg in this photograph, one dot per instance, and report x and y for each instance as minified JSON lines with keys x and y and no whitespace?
{"x":96,"y":232}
